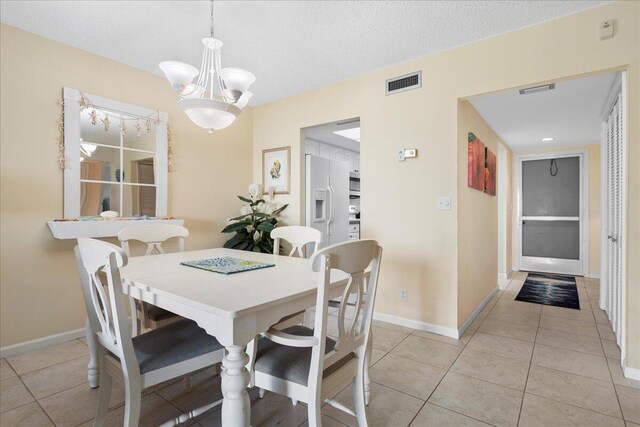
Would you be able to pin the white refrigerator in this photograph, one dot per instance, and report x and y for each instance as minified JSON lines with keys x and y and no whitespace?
{"x":327,"y":204}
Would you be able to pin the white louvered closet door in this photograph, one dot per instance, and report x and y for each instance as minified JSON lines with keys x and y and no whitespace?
{"x":614,"y":206}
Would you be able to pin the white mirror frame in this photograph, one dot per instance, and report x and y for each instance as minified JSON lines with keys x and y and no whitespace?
{"x":72,"y":111}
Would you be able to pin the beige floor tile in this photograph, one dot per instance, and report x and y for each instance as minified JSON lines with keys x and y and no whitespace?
{"x":618,"y":376}
{"x":509,"y":315}
{"x":26,"y":416}
{"x":44,"y":357}
{"x":569,"y":341}
{"x":474,"y":325}
{"x":6,"y":371}
{"x":427,"y":351}
{"x":518,"y":306}
{"x":387,"y":407}
{"x":78,"y":404}
{"x":376,"y":355}
{"x":587,"y":393}
{"x":13,"y":394}
{"x":326,"y":422}
{"x":434,"y":416}
{"x":154,"y":411}
{"x":630,"y":424}
{"x":611,"y":349}
{"x":538,"y":412}
{"x":600,"y":315}
{"x":494,"y":369}
{"x":511,"y":330}
{"x":501,"y":346}
{"x":408,"y":376}
{"x":568,"y":325}
{"x":584,"y":314}
{"x":606,"y":332}
{"x":386,"y":339}
{"x":447,"y":340}
{"x":272,"y":410}
{"x":478,"y":399}
{"x":47,"y":381}
{"x":630,"y":402}
{"x":570,"y":361}
{"x":392,"y":326}
{"x":205,"y":389}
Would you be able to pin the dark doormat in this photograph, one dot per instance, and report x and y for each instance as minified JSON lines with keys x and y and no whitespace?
{"x":550,"y":289}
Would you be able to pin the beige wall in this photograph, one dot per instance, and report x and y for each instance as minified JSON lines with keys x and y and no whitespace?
{"x":399,"y":199}
{"x":39,"y":289}
{"x":477,"y":220}
{"x":593,"y":165}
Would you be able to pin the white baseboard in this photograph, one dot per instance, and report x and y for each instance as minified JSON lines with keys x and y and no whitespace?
{"x":592,"y":275}
{"x":416,"y":324}
{"x":475,"y":314}
{"x":503,"y":276}
{"x":23,"y":347}
{"x":631,"y":373}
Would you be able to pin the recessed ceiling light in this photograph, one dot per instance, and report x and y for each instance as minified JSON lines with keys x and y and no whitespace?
{"x":547,"y":139}
{"x":353,"y":133}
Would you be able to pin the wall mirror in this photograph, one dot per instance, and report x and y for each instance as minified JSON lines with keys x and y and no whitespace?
{"x":115,"y":157}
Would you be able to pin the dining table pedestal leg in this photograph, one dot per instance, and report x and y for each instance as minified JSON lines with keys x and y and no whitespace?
{"x":236,"y":406}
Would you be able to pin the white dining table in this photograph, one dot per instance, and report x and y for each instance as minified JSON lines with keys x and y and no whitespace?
{"x":233,"y":308}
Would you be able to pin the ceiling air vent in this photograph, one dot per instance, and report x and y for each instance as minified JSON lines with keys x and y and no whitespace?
{"x":402,"y":83}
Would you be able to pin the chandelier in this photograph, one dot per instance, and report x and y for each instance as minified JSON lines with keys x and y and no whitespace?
{"x":218,"y":96}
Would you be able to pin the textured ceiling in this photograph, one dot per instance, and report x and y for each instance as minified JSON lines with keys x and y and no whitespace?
{"x":570,"y":114}
{"x":291,"y":46}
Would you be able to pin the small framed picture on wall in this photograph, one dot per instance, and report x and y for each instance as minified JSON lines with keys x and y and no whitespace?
{"x":276,"y":170}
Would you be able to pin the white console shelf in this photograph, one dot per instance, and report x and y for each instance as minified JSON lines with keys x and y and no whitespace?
{"x":96,"y":229}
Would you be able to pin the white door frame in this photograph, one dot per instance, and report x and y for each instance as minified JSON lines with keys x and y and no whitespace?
{"x":584,"y":204}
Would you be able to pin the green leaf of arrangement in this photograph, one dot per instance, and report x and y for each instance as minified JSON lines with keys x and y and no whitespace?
{"x":280,"y":209}
{"x":236,"y":226}
{"x":240,"y":217}
{"x":261,"y":215}
{"x":265,"y":226}
{"x":244,"y":199}
{"x":257,"y":202}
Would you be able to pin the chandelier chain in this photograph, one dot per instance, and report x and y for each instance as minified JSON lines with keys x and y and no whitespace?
{"x":212,"y":31}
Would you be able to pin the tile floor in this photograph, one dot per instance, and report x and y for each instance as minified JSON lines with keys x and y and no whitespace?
{"x":518,"y":364}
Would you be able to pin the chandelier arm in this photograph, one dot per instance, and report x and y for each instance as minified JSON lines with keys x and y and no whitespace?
{"x":205,"y":68}
{"x":204,"y":56}
{"x":221,"y":84}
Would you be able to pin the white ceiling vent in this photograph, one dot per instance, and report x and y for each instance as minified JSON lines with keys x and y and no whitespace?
{"x":402,"y":83}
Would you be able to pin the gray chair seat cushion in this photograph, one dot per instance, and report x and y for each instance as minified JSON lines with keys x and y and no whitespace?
{"x":288,"y":363}
{"x":171,"y":344}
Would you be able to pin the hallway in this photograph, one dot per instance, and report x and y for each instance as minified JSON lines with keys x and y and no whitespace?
{"x":518,"y":364}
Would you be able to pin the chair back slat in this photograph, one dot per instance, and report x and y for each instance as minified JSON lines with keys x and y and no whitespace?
{"x":353,"y":258}
{"x":298,"y":237}
{"x":105,"y":305}
{"x":153,"y":235}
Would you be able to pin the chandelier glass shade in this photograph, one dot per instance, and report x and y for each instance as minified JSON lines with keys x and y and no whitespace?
{"x":217,"y":97}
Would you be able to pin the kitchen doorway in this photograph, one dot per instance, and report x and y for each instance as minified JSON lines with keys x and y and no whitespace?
{"x":332,"y":180}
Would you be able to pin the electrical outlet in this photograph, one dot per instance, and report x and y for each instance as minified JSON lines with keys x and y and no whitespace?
{"x":410,"y":152}
{"x":403,"y":295}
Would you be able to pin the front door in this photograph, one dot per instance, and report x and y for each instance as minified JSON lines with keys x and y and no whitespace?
{"x":551,"y":214}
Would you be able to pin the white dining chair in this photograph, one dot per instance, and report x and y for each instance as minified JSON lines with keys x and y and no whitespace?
{"x":153,"y":235}
{"x":165,"y":353}
{"x":298,"y":237}
{"x":303,"y":363}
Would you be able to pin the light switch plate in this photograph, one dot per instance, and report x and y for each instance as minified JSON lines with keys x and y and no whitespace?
{"x":444,"y":203}
{"x":401,"y":155}
{"x":606,"y":29}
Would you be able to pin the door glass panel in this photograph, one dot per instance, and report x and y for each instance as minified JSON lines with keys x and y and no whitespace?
{"x":551,"y":239}
{"x":551,"y":190}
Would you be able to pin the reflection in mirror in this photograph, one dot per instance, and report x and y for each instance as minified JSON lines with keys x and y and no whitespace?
{"x":102,"y":163}
{"x":139,"y":200}
{"x":98,"y":197}
{"x":140,"y":134}
{"x":100,"y":127}
{"x":139,"y":168}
